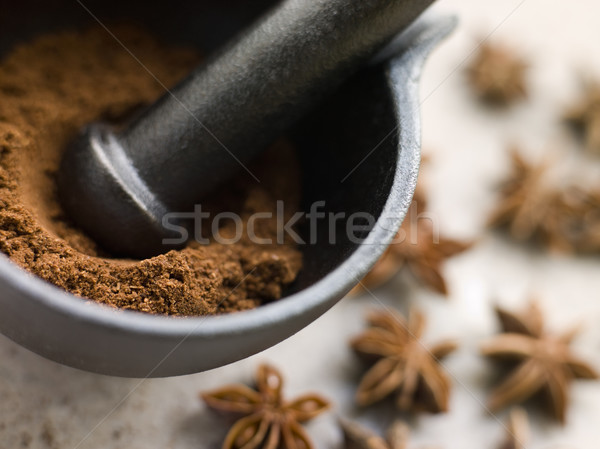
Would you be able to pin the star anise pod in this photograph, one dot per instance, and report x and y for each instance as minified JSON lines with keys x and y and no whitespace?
{"x":543,"y":362}
{"x":517,"y":430}
{"x":269,"y":421}
{"x":585,"y":117}
{"x":403,"y":364}
{"x":497,"y":75}
{"x":397,"y":436}
{"x":418,"y":248}
{"x":533,"y":209}
{"x":359,"y":437}
{"x":581,"y":220}
{"x":526,"y":199}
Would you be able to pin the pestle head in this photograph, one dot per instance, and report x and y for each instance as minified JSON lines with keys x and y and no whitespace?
{"x":99,"y":186}
{"x":119,"y":188}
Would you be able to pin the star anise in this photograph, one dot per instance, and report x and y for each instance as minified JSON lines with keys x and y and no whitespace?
{"x":497,"y":75}
{"x":543,"y":362}
{"x":581,"y":219}
{"x":359,"y":437}
{"x":397,"y":436}
{"x":532,"y":208}
{"x":418,"y":248}
{"x":585,"y":117}
{"x":526,"y":199}
{"x":403,"y":364}
{"x":269,"y":421}
{"x":517,"y":430}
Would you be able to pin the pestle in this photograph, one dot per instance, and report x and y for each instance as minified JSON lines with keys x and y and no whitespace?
{"x":118,"y":184}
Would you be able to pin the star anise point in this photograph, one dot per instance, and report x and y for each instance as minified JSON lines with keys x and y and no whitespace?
{"x":358,"y":437}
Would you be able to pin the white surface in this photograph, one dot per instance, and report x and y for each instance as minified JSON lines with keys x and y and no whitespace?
{"x":44,"y":405}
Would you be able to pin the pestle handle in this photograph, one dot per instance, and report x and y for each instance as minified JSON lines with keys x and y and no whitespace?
{"x":118,"y":186}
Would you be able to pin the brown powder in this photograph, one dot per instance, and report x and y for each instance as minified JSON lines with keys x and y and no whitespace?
{"x":53,"y":86}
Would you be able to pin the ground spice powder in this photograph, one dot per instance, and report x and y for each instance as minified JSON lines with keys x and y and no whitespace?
{"x":49,"y":89}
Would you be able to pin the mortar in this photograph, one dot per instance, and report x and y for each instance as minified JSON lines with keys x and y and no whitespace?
{"x":359,"y":153}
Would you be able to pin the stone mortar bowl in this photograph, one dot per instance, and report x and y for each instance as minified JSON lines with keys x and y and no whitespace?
{"x":360,"y":152}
